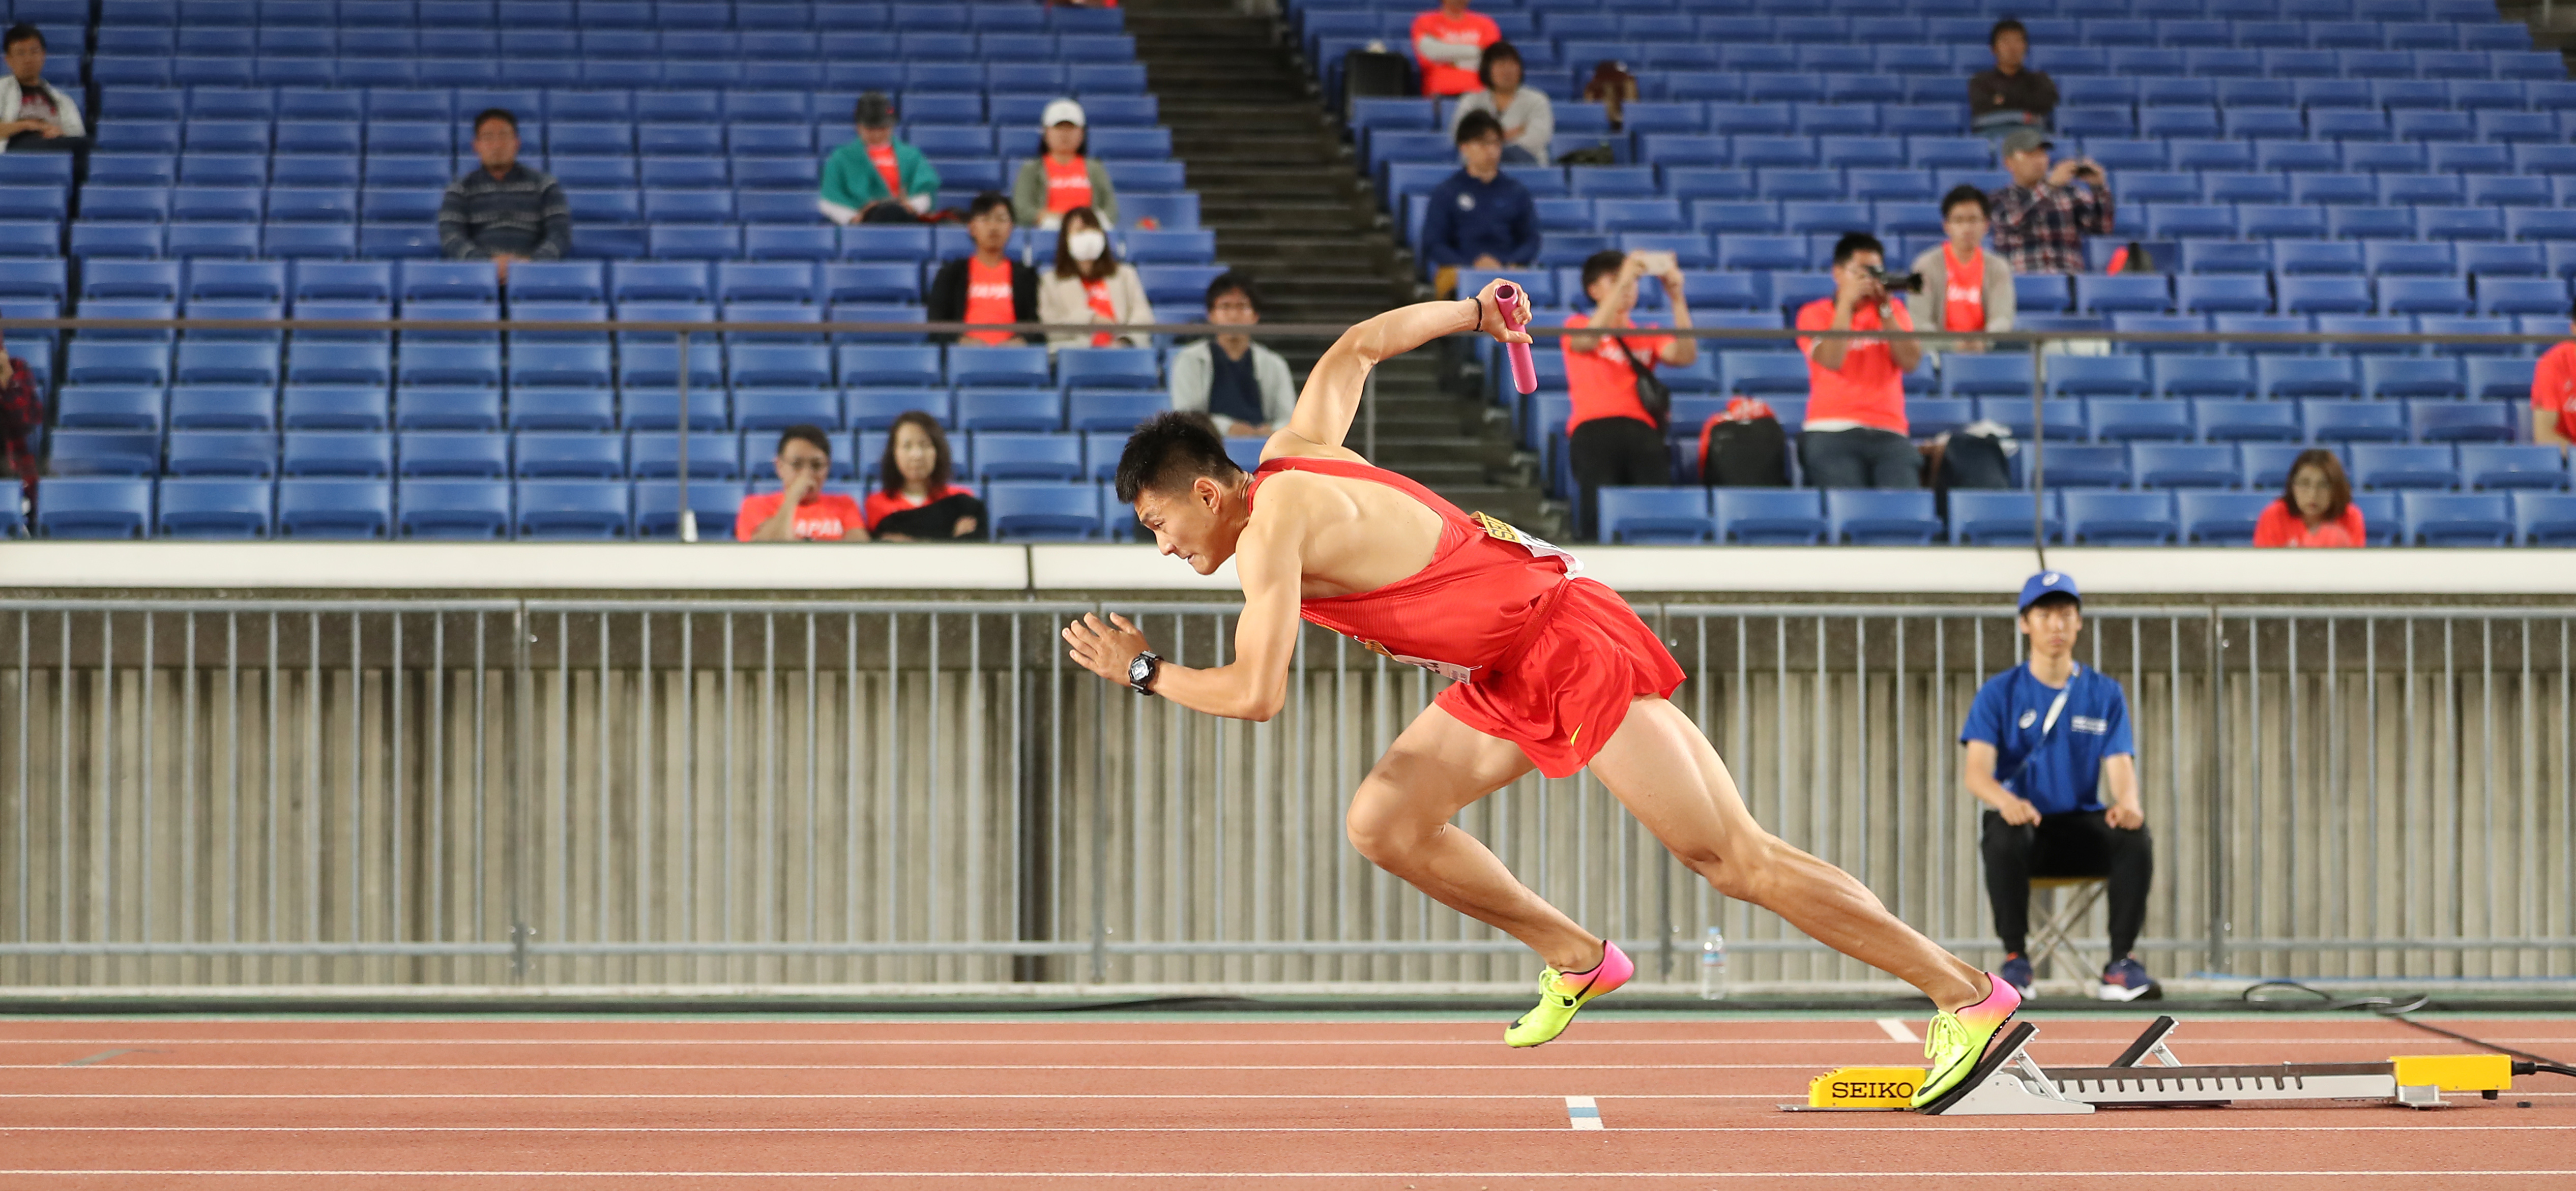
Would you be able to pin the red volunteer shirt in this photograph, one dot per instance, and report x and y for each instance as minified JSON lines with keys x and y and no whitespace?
{"x":988,"y":299}
{"x":2553,"y":387}
{"x":1068,"y":184}
{"x":1963,"y":308}
{"x":823,"y":517}
{"x":1601,"y":381}
{"x":1869,"y":388}
{"x":882,"y":157}
{"x":2280,"y":525}
{"x":1467,"y":29}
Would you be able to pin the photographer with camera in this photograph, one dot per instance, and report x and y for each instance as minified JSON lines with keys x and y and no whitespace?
{"x":1965,"y":287}
{"x":1855,"y":428}
{"x":2040,"y":221}
{"x":1615,"y":436}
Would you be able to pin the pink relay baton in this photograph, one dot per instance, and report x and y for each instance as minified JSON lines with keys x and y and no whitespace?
{"x":1507,"y":299}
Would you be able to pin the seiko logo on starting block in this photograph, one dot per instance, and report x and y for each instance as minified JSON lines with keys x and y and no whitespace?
{"x":1865,"y":1087}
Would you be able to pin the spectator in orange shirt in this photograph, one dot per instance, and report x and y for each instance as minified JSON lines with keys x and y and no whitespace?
{"x":988,"y":287}
{"x":915,"y":502}
{"x":2553,"y":396}
{"x":1855,"y":429}
{"x":1449,"y":41}
{"x":2315,"y":508}
{"x":801,"y":511}
{"x":1612,"y":438}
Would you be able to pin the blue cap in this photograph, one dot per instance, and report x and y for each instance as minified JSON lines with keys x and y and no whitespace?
{"x":2044,"y":583}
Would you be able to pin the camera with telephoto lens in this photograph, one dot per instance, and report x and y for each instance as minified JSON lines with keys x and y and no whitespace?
{"x":1907,"y":283}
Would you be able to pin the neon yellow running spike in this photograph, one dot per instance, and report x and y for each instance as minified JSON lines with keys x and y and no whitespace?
{"x":1561,"y":993}
{"x":1957,"y":1040}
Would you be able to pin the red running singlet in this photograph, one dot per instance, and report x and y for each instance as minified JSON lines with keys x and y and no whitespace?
{"x":1536,"y":656}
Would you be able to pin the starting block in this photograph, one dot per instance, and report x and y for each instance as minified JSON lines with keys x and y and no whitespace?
{"x":2008,"y":1082}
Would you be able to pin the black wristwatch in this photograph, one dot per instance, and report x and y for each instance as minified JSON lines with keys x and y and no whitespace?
{"x":1141,"y":671}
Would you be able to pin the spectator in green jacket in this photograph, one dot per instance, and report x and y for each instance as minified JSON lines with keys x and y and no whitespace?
{"x":876,"y":178}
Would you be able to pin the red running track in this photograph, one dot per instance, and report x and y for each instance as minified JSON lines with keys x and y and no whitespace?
{"x":1323,"y":1103}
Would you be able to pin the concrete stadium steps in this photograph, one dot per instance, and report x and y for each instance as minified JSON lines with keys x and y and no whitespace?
{"x":1277,"y":183}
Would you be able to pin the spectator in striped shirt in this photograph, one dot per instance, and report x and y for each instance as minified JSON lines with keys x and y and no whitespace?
{"x":503,"y":212}
{"x":2040,"y":221}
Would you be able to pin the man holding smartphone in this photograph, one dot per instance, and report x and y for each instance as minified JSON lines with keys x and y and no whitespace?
{"x":2040,"y":221}
{"x":1612,"y":438}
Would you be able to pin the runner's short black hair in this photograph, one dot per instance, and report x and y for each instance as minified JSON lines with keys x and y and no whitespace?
{"x":812,"y":435}
{"x":1854,"y":243}
{"x":23,"y":31}
{"x":1477,"y":126}
{"x":1169,"y":451}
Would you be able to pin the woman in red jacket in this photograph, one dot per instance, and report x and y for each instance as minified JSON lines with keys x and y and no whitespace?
{"x":2315,"y":508}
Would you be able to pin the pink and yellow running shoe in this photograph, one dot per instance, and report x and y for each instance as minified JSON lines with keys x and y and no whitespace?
{"x":1561,"y":993}
{"x":1957,"y":1040}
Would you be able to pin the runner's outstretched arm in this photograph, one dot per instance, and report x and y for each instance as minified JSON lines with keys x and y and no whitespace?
{"x":1332,"y":394}
{"x":1255,"y":685}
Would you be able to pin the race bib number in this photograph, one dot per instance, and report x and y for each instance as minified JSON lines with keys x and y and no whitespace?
{"x":1538,"y":547}
{"x":1449,"y":670}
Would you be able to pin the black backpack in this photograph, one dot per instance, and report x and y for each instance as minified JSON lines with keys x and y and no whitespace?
{"x":1743,"y":452}
{"x":1368,"y":74}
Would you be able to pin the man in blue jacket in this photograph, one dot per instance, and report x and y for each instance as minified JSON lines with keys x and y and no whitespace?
{"x":2057,"y":733}
{"x":1478,"y":218}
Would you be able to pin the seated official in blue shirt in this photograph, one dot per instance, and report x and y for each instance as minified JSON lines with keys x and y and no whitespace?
{"x":2058,"y":734}
{"x":1479,"y":217}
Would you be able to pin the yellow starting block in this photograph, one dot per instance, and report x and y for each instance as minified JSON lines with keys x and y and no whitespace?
{"x":2008,"y":1083}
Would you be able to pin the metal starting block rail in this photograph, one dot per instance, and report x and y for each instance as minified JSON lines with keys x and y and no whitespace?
{"x":2008,"y":1082}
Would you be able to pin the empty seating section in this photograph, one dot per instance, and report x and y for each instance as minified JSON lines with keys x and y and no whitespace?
{"x":2401,"y":170}
{"x":260,"y":160}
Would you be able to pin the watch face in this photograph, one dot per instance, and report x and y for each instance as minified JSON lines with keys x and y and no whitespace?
{"x":1140,"y":669}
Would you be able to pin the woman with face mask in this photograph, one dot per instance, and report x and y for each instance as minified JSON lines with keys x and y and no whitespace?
{"x":1063,"y":175}
{"x":1089,"y":285}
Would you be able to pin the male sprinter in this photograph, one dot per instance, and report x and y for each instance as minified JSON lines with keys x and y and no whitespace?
{"x":1547,"y":670}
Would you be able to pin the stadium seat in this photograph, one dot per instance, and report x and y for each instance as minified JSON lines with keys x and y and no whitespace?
{"x":2392,"y":465}
{"x":1876,"y":518}
{"x":1028,"y":511}
{"x":2502,"y":466}
{"x":1009,"y":409}
{"x":2120,"y":518}
{"x":2129,"y":420}
{"x":572,"y":510}
{"x":2002,"y":518}
{"x":2230,"y":420}
{"x":2329,"y":420}
{"x":95,"y":507}
{"x":2220,"y":518}
{"x":2457,"y":519}
{"x":2461,"y":421}
{"x":2076,"y":465}
{"x":1018,"y":455}
{"x":2183,"y":465}
{"x":211,"y":508}
{"x":1668,"y":516}
{"x":2545,"y":518}
{"x":453,"y":509}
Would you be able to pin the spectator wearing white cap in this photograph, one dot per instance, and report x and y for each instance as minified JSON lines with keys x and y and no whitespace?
{"x":1063,"y":176}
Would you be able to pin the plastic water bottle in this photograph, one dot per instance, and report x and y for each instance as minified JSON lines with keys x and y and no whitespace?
{"x":1712,"y":966}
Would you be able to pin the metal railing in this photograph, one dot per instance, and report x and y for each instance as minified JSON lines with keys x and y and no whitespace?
{"x":693,"y":792}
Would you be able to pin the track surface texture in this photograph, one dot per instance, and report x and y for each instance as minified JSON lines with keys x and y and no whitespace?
{"x":1435,"y":1104}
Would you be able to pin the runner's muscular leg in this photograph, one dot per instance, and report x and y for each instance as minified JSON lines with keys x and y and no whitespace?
{"x":1664,"y":771}
{"x":1399,"y":819}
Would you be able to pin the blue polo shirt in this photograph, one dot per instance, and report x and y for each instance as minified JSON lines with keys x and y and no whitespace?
{"x":1464,"y":219}
{"x":2066,"y":774}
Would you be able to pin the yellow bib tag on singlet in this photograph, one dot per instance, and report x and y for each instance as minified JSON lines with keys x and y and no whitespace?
{"x":1505,"y":531}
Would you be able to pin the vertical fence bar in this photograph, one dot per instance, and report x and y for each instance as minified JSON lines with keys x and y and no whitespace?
{"x":2216,"y":798}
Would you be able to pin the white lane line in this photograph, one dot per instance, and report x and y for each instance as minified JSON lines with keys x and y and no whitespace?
{"x":1582,"y":1113}
{"x":1376,"y":1175}
{"x":1770,"y":1095}
{"x":1910,"y":1127}
{"x":1898,"y":1031}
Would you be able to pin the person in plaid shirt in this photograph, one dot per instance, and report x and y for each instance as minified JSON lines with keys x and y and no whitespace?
{"x":22,"y":412}
{"x":2040,"y":221}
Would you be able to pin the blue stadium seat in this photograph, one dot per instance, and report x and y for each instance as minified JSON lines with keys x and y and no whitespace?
{"x":2097,"y":376}
{"x":2545,"y":518}
{"x":655,"y":455}
{"x":2402,"y":376}
{"x":333,"y":407}
{"x":95,"y":507}
{"x":108,"y":407}
{"x":2130,"y":420}
{"x":2220,"y":518}
{"x":1022,"y":455}
{"x":2458,"y":519}
{"x":2077,"y":465}
{"x":1769,"y":516}
{"x":1971,"y":375}
{"x":2120,"y":518}
{"x":656,"y":505}
{"x":572,"y":510}
{"x":2391,"y":466}
{"x":1112,"y":409}
{"x":2331,"y":420}
{"x":1009,"y":409}
{"x":1875,"y":518}
{"x":2512,"y":466}
{"x":467,"y":364}
{"x":453,"y":454}
{"x":2231,"y":420}
{"x":215,"y":453}
{"x":554,"y":454}
{"x":2183,"y":465}
{"x":2223,"y":293}
{"x":336,"y":453}
{"x":220,"y":509}
{"x":2462,"y":421}
{"x":2118,"y":292}
{"x":2324,"y":295}
{"x":1667,"y":516}
{"x":1038,"y":511}
{"x":1761,"y":373}
{"x":453,"y":509}
{"x":2002,"y":518}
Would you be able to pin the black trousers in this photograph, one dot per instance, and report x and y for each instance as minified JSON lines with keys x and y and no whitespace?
{"x":2076,"y":844}
{"x":1619,"y":453}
